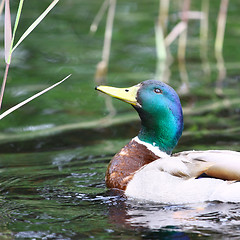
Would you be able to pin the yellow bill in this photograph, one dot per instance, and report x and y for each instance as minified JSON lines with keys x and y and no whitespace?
{"x":128,"y":95}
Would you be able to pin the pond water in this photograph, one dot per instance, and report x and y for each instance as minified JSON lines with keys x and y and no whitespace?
{"x":55,"y":150}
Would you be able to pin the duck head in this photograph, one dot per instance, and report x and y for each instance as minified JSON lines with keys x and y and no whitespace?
{"x":159,"y":108}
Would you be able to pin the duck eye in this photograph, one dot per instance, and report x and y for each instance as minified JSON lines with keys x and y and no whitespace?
{"x":158,"y":90}
{"x":126,"y":90}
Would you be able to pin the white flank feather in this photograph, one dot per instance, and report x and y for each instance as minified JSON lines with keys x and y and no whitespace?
{"x":173,"y":179}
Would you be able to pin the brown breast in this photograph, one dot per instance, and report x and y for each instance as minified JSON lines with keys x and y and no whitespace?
{"x":125,"y":163}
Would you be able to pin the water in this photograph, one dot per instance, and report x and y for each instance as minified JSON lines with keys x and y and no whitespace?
{"x":55,"y":150}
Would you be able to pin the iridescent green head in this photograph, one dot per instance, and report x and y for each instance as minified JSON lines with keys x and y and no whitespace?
{"x":159,"y":108}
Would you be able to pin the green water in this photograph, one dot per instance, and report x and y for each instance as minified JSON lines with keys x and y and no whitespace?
{"x":54,"y":151}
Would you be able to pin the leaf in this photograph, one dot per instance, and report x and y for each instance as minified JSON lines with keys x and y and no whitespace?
{"x":7,"y":32}
{"x":31,"y":98}
{"x":17,"y":21}
{"x":35,"y":23}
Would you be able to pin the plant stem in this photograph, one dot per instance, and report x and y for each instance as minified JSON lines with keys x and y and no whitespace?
{"x":16,"y":25}
{"x":1,"y":6}
{"x":163,"y":14}
{"x":4,"y":84}
{"x":221,"y":24}
{"x":204,"y":37}
{"x":183,"y":36}
{"x":102,"y":66}
{"x":176,"y":31}
{"x":108,"y":32}
{"x":99,"y":16}
{"x":7,"y":33}
{"x":182,"y":42}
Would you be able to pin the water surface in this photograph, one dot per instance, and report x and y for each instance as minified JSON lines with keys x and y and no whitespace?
{"x":55,"y":150}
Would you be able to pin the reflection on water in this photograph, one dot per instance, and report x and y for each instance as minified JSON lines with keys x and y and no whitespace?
{"x":198,"y":218}
{"x":63,"y":195}
{"x":221,"y":74}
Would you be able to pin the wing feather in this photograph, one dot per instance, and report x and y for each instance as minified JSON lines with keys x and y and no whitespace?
{"x":219,"y":163}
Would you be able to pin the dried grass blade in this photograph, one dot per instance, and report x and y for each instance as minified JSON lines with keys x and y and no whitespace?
{"x":7,"y":32}
{"x":35,"y":23}
{"x":31,"y":98}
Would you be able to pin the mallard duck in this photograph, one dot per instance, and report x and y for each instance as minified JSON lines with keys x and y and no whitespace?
{"x":145,"y":169}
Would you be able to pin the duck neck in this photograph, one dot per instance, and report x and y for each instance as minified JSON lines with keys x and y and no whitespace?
{"x":161,"y":131}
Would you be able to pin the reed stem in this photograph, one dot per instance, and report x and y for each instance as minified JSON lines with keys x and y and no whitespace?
{"x":102,"y":66}
{"x":108,"y":32}
{"x":204,"y":37}
{"x":99,"y":16}
{"x":2,"y":6}
{"x":163,"y":15}
{"x":4,"y":84}
{"x":182,"y":42}
{"x":221,"y":25}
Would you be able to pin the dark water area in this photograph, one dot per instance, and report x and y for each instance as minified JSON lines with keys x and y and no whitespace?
{"x":54,"y":151}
